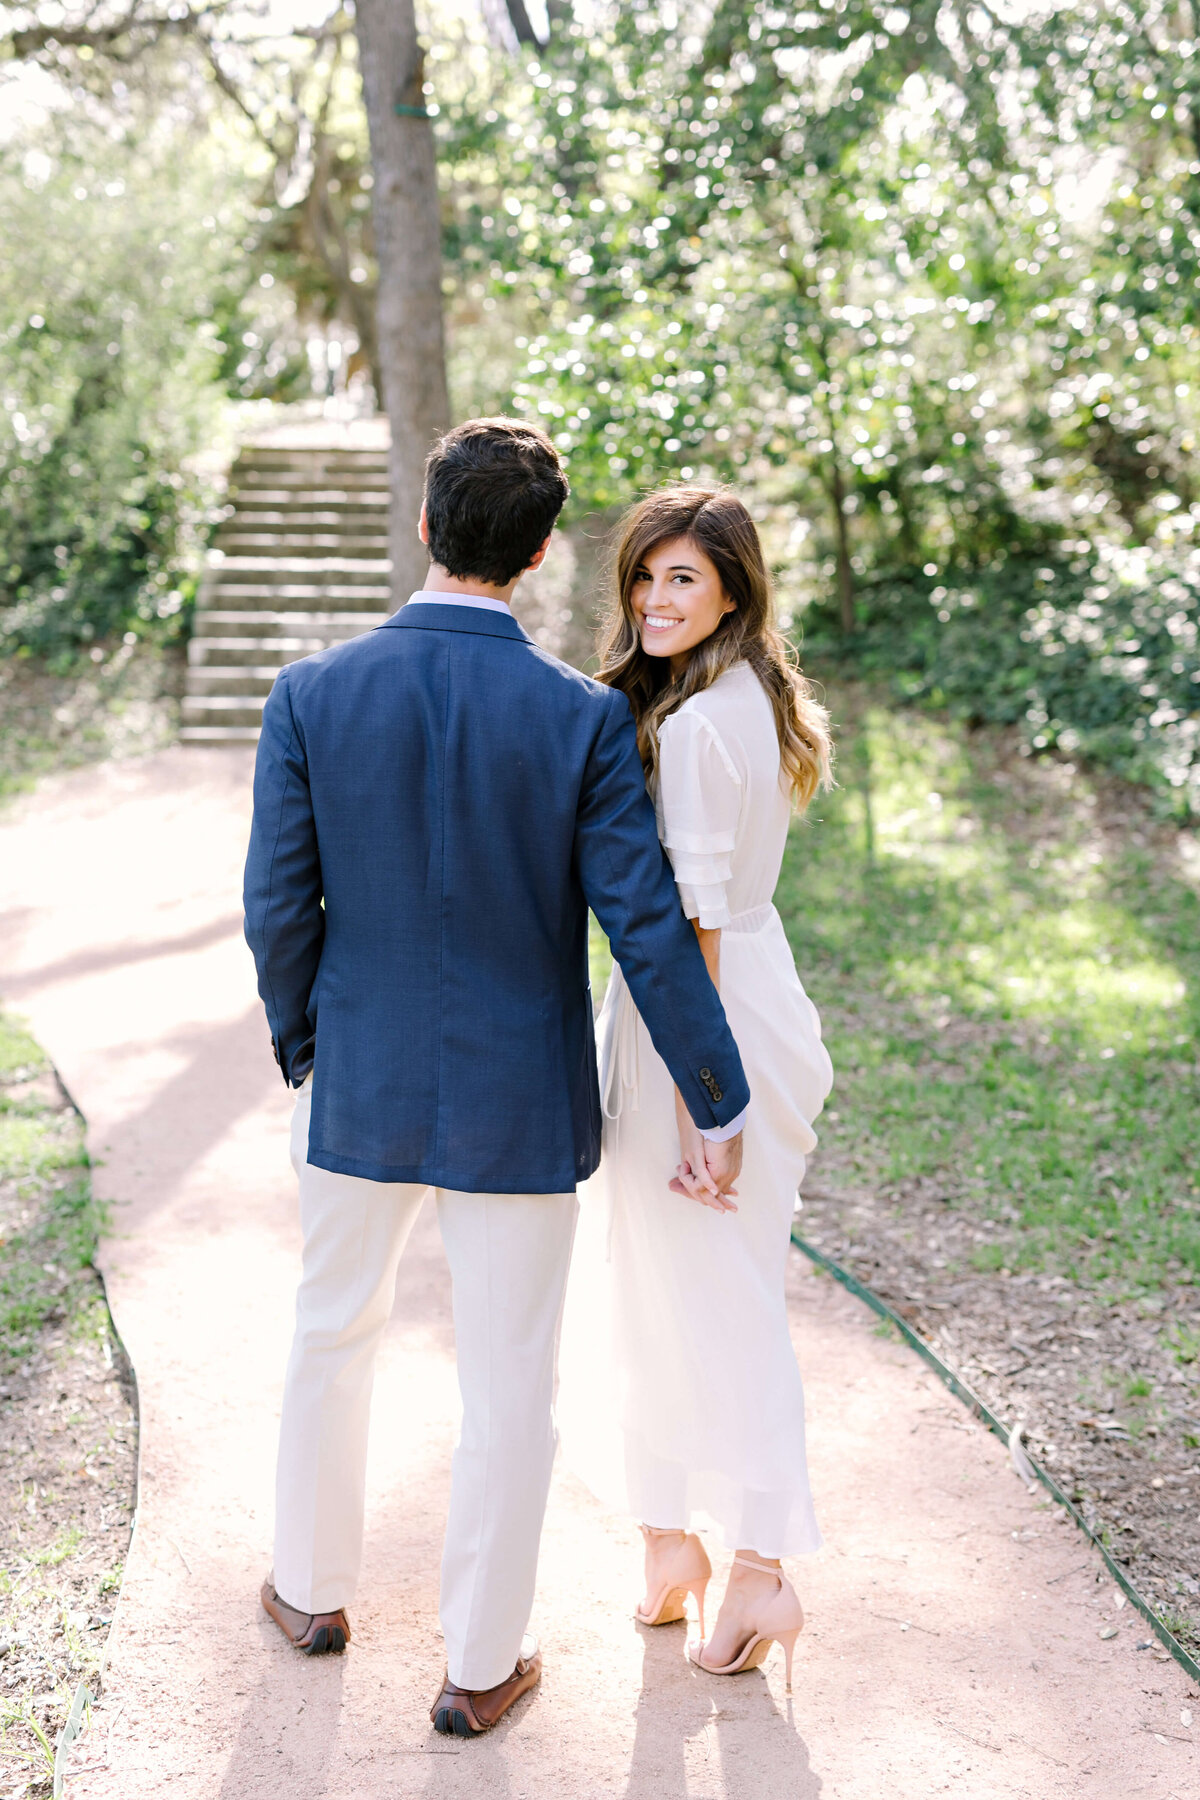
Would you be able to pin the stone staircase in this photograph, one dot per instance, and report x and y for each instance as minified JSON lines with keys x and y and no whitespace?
{"x":300,"y":562}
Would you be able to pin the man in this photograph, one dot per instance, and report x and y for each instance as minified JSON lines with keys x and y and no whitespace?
{"x":436,"y":805}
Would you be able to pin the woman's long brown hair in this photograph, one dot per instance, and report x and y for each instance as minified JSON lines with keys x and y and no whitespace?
{"x":719,"y":524}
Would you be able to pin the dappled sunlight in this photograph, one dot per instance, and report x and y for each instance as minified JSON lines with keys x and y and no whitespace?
{"x":1135,"y":996}
{"x":1035,"y":932}
{"x":921,"y":284}
{"x":1007,"y":968}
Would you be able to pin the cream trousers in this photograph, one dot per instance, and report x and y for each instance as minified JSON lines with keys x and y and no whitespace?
{"x":508,"y":1256}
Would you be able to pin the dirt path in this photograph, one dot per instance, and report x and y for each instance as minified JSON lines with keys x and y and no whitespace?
{"x":954,"y":1641}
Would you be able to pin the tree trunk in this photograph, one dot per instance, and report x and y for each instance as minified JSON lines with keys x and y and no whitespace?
{"x":412,"y":351}
{"x":845,"y":570}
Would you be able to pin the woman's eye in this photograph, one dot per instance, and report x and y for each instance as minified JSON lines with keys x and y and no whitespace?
{"x":641,"y":576}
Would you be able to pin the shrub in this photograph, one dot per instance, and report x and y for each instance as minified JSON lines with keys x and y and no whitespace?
{"x":1094,"y":655}
{"x":114,"y":374}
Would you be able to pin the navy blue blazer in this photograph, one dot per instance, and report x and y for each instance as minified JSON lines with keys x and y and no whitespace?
{"x":436,"y":804}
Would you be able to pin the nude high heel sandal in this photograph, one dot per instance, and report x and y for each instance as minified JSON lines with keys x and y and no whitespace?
{"x":688,"y":1572}
{"x":780,"y":1620}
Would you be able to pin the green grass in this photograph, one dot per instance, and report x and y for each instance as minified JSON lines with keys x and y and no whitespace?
{"x":65,"y":1544}
{"x":1008,"y":976}
{"x":49,"y":1219}
{"x":50,"y":1303}
{"x":19,"y":1053}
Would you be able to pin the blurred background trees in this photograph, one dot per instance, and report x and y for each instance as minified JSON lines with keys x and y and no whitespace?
{"x":922,"y":280}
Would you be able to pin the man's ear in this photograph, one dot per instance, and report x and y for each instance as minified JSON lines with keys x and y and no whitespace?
{"x":538,"y":559}
{"x":423,"y":526}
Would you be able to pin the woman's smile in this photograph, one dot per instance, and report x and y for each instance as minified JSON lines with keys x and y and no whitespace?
{"x":677,"y":574}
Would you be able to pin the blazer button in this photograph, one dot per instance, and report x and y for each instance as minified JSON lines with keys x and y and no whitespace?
{"x":706,"y":1075}
{"x":716,"y":1093}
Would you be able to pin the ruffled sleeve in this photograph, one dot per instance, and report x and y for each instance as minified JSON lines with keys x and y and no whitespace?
{"x":699,"y":802}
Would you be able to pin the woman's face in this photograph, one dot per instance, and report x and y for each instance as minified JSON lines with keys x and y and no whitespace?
{"x":678,"y":599}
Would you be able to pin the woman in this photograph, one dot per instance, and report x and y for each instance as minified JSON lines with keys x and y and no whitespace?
{"x":680,"y":1394}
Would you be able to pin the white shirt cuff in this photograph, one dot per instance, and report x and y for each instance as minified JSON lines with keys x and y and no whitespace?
{"x":720,"y":1133}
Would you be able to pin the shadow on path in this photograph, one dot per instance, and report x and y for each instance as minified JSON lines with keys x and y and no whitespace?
{"x":116,"y":956}
{"x":298,"y":1721}
{"x":696,"y":1732}
{"x":186,"y":1117}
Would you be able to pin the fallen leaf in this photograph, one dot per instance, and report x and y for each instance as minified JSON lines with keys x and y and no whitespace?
{"x":1120,"y":1601}
{"x":1109,"y":1631}
{"x":1016,"y":1453}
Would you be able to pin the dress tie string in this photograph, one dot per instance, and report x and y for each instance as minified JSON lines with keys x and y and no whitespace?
{"x":620,"y":1074}
{"x":620,"y":1069}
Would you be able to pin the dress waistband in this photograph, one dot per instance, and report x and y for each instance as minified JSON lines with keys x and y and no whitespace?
{"x":754,"y":920}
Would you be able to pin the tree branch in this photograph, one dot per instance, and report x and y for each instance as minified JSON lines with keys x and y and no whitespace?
{"x":147,"y":28}
{"x":25,"y":45}
{"x":232,"y":91}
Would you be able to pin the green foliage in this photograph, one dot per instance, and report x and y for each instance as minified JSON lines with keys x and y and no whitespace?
{"x":922,"y":283}
{"x":132,"y":316}
{"x":777,"y":248}
{"x":108,"y":381}
{"x":1007,"y":963}
{"x":1096,"y":656}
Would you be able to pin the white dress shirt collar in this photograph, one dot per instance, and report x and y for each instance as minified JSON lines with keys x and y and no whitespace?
{"x":428,"y":597}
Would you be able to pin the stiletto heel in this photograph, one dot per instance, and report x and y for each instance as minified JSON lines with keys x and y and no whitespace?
{"x":788,"y":1640}
{"x":780,"y":1620}
{"x":687,"y":1572}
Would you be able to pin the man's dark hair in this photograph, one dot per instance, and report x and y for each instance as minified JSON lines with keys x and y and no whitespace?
{"x":493,"y":489}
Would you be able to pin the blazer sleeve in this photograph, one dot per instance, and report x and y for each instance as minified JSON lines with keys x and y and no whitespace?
{"x":285,"y":920}
{"x":629,"y":886}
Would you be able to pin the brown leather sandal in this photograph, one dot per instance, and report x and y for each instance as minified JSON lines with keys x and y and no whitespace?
{"x":315,"y":1633}
{"x":458,"y":1713}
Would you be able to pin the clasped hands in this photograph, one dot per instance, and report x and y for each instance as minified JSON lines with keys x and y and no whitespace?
{"x":706,"y":1171}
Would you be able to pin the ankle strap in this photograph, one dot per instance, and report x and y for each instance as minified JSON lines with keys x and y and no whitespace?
{"x":766,"y":1568}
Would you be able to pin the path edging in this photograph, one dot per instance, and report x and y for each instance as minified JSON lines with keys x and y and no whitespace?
{"x":981,"y":1410}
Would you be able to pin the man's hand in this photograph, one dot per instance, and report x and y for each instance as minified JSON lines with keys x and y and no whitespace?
{"x":706,"y":1171}
{"x":724,"y":1162}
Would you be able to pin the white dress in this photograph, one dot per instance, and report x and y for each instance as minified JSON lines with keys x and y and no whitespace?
{"x":680,"y":1400}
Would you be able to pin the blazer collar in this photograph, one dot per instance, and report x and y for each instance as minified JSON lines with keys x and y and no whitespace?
{"x":477,"y":620}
